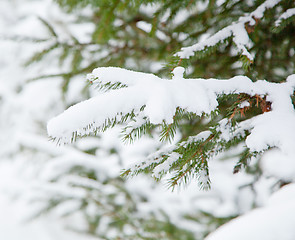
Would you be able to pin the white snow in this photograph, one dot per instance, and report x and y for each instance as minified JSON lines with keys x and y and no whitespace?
{"x":161,"y":98}
{"x":289,"y":13}
{"x":277,"y":164}
{"x":29,"y":162}
{"x":272,"y":222}
{"x":244,"y":104}
{"x":236,"y":30}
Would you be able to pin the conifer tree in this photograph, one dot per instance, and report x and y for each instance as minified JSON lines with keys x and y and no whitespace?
{"x":165,"y":106}
{"x":184,"y":44}
{"x":79,"y":185}
{"x":222,"y":40}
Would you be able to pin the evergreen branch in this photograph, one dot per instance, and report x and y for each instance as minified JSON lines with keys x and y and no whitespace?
{"x":48,"y":26}
{"x":244,"y":160}
{"x":175,"y":60}
{"x":246,"y":62}
{"x":76,"y":59}
{"x":18,"y":38}
{"x":92,"y":129}
{"x":64,"y":55}
{"x":199,"y":154}
{"x":134,"y":132}
{"x":168,"y":131}
{"x":104,"y":86}
{"x":237,"y":31}
{"x":151,"y":162}
{"x":284,"y":20}
{"x":65,"y":75}
{"x":40,"y":55}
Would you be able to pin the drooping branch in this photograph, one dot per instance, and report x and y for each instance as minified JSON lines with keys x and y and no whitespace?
{"x":158,"y":100}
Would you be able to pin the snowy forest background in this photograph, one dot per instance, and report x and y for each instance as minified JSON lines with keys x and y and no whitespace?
{"x":75,"y":191}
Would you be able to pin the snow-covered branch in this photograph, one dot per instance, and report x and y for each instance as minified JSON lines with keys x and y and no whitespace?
{"x":287,"y":14}
{"x":157,"y":101}
{"x":237,"y":30}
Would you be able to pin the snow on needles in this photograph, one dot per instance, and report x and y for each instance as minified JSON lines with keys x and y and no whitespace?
{"x":161,"y":97}
{"x":289,"y":13}
{"x":236,"y":30}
